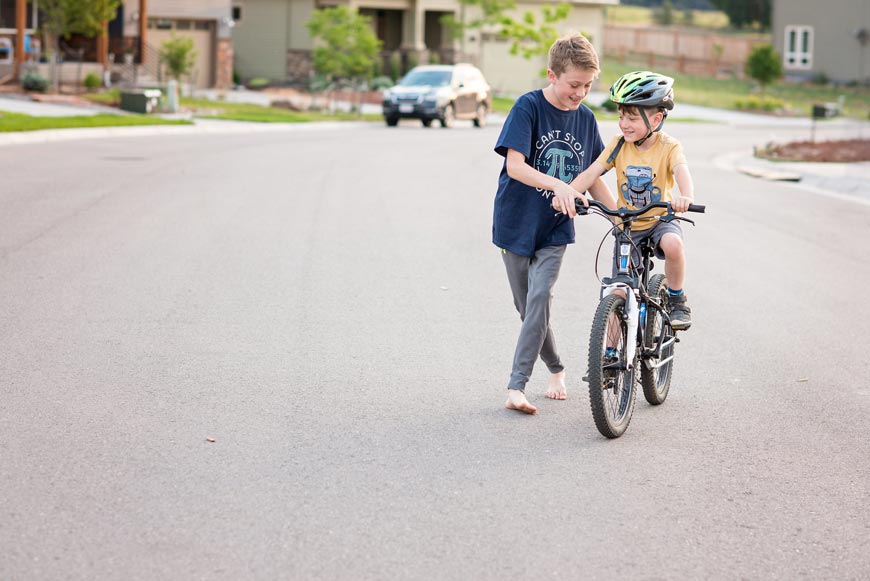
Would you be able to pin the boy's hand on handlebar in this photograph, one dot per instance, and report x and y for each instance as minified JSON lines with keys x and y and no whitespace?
{"x":563,"y":199}
{"x":681,"y":204}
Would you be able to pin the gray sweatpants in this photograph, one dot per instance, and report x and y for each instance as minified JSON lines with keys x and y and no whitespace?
{"x":532,"y":280}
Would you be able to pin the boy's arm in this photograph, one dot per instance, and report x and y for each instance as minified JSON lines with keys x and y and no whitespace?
{"x":590,"y":175}
{"x":687,"y":188}
{"x":563,"y":194}
{"x":602,"y":193}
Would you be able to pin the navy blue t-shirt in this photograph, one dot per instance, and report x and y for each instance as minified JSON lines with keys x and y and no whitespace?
{"x":555,"y":142}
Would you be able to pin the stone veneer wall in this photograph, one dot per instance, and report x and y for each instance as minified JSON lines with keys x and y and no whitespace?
{"x":299,"y":68}
{"x":224,"y":70}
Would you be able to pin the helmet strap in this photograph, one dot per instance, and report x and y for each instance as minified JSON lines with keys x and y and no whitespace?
{"x":648,"y":126}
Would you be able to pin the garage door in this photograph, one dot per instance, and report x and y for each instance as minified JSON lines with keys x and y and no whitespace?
{"x":202,"y":33}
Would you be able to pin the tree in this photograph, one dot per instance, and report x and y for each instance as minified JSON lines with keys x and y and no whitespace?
{"x":491,"y":13}
{"x":764,"y":65}
{"x":665,"y":14}
{"x":346,"y":46}
{"x":178,"y":55}
{"x":742,"y":13}
{"x":62,"y":18}
{"x":528,"y":37}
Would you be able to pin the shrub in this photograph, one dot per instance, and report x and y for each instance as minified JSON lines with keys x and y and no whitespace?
{"x":381,"y":83}
{"x":609,"y":105}
{"x":757,"y":103}
{"x":764,"y":65}
{"x":395,"y":65}
{"x":258,"y":83}
{"x":34,"y":82}
{"x":92,"y":81}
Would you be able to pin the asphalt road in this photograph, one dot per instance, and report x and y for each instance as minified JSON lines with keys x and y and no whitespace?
{"x":325,"y":305}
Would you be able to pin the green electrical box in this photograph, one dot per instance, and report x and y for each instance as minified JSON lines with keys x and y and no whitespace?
{"x":140,"y":101}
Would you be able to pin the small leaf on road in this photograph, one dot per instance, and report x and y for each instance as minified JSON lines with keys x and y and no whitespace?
{"x":803,"y":379}
{"x":444,"y":288}
{"x":210,"y":440}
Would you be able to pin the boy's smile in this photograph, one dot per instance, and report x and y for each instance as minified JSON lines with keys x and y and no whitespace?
{"x":633,"y":127}
{"x":569,"y":89}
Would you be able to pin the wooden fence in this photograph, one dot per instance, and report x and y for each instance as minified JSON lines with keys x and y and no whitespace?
{"x":687,"y":51}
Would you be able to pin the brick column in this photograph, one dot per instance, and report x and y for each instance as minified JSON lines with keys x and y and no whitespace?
{"x":224,"y":69}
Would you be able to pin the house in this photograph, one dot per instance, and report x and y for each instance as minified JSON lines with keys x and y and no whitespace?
{"x":131,"y":42}
{"x":270,"y":38}
{"x":823,"y":39}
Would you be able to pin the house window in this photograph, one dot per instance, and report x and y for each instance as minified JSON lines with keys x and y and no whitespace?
{"x":237,"y":13}
{"x":798,"y":53}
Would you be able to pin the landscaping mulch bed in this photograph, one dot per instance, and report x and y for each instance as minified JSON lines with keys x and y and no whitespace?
{"x":844,"y":151}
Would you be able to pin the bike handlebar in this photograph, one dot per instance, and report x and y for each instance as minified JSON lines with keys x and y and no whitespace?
{"x":626,"y":213}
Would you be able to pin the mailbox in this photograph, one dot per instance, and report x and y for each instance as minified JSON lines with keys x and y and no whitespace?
{"x":825,"y":110}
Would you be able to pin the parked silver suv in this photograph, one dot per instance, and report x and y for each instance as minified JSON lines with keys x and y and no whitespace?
{"x":442,"y":92}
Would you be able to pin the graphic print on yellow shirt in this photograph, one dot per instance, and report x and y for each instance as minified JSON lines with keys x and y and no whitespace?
{"x":638,"y":189}
{"x":645,"y":176}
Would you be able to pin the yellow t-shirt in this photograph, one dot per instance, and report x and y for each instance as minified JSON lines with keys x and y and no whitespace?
{"x":644,"y":177}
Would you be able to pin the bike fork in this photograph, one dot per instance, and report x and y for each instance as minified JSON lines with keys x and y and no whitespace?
{"x":631,"y":318}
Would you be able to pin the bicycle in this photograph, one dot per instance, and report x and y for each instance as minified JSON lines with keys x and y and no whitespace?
{"x":630,"y":326}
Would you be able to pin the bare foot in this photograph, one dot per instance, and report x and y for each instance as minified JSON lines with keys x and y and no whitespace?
{"x":557,"y":388}
{"x":517,"y":401}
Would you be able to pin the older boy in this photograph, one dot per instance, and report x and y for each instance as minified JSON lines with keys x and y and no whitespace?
{"x":548,"y":139}
{"x":648,"y":162}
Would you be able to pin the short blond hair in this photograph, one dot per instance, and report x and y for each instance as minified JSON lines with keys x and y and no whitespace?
{"x":573,"y":50}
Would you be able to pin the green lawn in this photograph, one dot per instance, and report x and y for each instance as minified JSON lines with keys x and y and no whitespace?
{"x":229,"y":111}
{"x":259,"y":114}
{"x":640,"y":16}
{"x":20,"y":122}
{"x":725,"y":93}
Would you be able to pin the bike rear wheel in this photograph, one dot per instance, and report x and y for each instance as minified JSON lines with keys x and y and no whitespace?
{"x":611,"y":383}
{"x":654,"y":375}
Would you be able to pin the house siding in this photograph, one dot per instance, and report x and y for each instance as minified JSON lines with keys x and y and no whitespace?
{"x":836,"y":54}
{"x":272,"y":40}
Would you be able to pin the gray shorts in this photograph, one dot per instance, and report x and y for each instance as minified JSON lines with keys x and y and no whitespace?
{"x":655,"y":233}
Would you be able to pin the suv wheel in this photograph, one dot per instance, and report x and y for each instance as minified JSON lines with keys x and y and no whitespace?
{"x":391,"y":121}
{"x":426,"y":122}
{"x":448,"y":117}
{"x":480,"y":116}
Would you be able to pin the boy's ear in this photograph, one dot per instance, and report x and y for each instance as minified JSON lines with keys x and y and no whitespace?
{"x":552,"y":77}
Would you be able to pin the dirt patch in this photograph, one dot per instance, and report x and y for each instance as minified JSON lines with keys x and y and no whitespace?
{"x":845,"y":151}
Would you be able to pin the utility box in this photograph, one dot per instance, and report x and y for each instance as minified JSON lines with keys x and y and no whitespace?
{"x":141,"y":100}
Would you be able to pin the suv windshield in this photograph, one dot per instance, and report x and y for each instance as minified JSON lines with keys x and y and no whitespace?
{"x":433,"y":78}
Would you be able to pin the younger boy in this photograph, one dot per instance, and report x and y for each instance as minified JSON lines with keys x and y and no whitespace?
{"x":549,"y":137}
{"x":648,"y":161}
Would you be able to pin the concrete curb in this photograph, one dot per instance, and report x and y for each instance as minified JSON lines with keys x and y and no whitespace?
{"x":198,"y":128}
{"x":780,"y":176}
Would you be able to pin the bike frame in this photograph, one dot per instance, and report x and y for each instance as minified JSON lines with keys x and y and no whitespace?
{"x":632,"y":281}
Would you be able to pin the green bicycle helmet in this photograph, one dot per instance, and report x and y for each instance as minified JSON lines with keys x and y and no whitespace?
{"x":643,"y":89}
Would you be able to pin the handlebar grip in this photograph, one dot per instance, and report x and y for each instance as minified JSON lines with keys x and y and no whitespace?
{"x":697,"y":208}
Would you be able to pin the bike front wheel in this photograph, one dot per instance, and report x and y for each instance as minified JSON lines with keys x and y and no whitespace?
{"x":611,"y":376}
{"x":655,"y":375}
